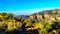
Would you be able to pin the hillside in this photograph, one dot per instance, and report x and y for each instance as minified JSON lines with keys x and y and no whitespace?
{"x":44,"y":22}
{"x":46,"y":14}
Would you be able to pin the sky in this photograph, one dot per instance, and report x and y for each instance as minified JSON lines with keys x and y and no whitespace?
{"x":27,"y":7}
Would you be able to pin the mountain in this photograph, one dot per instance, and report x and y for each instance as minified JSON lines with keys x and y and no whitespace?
{"x":23,"y":16}
{"x":46,"y":14}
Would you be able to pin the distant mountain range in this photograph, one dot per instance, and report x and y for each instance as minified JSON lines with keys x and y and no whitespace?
{"x":41,"y":13}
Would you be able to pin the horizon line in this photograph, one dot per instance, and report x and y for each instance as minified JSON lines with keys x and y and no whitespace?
{"x":28,"y":11}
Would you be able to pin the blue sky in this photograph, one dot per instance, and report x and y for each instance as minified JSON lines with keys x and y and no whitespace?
{"x":26,"y":7}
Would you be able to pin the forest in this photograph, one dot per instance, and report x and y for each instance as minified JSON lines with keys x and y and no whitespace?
{"x":45,"y":22}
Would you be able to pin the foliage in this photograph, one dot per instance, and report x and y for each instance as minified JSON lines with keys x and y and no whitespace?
{"x":11,"y":24}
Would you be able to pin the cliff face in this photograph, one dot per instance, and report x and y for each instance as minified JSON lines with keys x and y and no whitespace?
{"x":47,"y":15}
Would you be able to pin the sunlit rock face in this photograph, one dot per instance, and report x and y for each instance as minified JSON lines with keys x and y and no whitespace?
{"x":58,"y":17}
{"x":52,"y":18}
{"x":54,"y":11}
{"x":46,"y":14}
{"x":49,"y":15}
{"x":31,"y":17}
{"x":58,"y":11}
{"x":39,"y":16}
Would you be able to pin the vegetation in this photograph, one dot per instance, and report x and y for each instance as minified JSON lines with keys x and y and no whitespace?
{"x":48,"y":23}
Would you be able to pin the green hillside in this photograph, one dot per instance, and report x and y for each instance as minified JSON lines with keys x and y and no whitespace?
{"x":45,"y":22}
